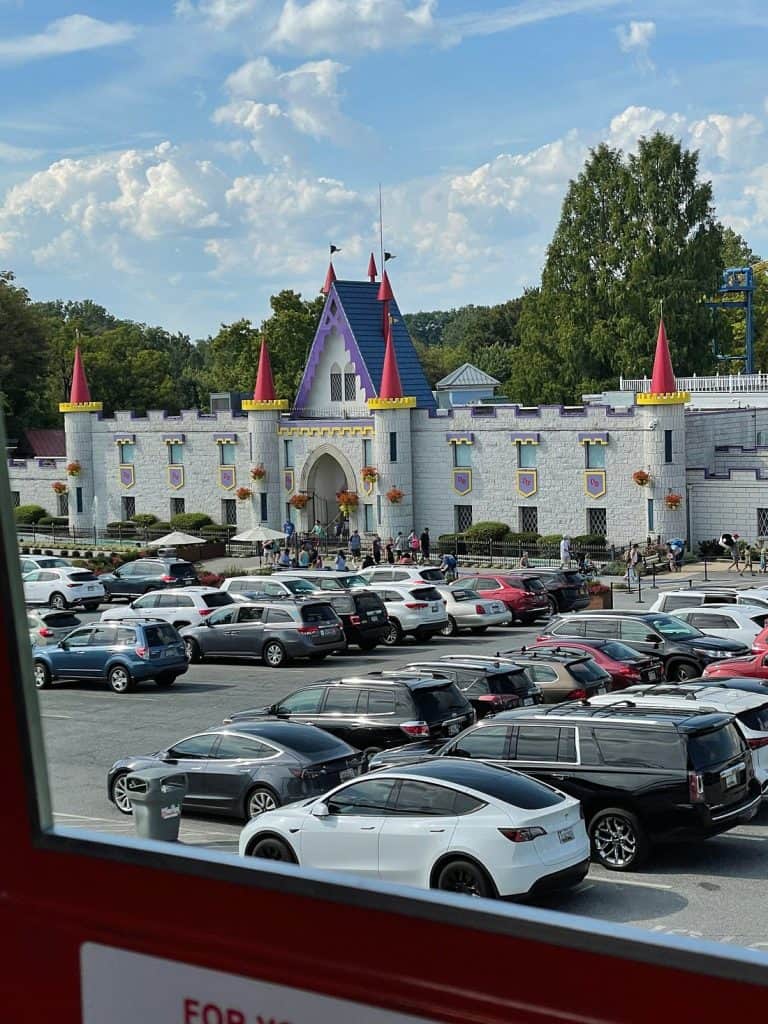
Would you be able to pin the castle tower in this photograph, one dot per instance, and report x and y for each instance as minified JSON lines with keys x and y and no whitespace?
{"x":78,"y":431}
{"x":664,"y":445}
{"x":263,"y":420}
{"x":392,"y":437}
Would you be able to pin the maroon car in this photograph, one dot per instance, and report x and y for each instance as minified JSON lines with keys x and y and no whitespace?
{"x":626,"y":666}
{"x":525,"y":596}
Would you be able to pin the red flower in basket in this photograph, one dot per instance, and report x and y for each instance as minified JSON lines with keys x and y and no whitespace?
{"x":641,"y":478}
{"x":673,"y":500}
{"x":73,"y":468}
{"x":395,"y":495}
{"x":299,"y":500}
{"x":243,"y":493}
{"x":258,"y":472}
{"x":59,"y":487}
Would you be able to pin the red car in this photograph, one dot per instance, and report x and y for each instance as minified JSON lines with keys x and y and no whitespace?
{"x":626,"y":666}
{"x":751,"y":668}
{"x":525,"y":596}
{"x":760,"y":643}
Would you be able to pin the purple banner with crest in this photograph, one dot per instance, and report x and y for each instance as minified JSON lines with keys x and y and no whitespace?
{"x":595,"y":483}
{"x":127,"y":477}
{"x":462,"y":481}
{"x":527,"y":482}
{"x":176,"y":477}
{"x":227,"y":477}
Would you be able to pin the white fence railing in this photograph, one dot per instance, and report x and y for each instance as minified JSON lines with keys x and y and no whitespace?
{"x":731,"y":383}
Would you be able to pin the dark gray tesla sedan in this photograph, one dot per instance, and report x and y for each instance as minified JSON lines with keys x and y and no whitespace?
{"x":244,"y":769}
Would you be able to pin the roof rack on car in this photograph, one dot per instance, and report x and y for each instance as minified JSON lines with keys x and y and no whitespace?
{"x":668,"y":690}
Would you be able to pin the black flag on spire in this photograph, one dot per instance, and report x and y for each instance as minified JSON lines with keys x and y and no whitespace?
{"x":334,"y":249}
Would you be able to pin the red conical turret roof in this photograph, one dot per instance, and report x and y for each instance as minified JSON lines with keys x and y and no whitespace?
{"x":372,"y":271}
{"x":390,"y":375}
{"x":385,"y":293}
{"x":330,"y":278}
{"x":663,"y":379}
{"x":80,"y":393}
{"x":265,"y":385}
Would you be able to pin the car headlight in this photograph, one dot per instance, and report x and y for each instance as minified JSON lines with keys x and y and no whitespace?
{"x":709,"y":652}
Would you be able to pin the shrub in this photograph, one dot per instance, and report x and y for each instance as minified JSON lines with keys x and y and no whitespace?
{"x":215,"y":531}
{"x":129,"y":555}
{"x":531,"y":539}
{"x":45,"y":521}
{"x":144,"y":519}
{"x":190,"y":521}
{"x":487,"y":531}
{"x":592,"y":539}
{"x":711,"y":548}
{"x":551,"y":538}
{"x":614,"y":569}
{"x":28,"y":513}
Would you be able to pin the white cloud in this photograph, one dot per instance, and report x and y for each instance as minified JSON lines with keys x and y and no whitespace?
{"x":635,"y":122}
{"x":505,"y":19}
{"x":636,"y":39}
{"x":728,"y":138}
{"x":17,"y":154}
{"x":66,"y":35}
{"x":331,"y":26}
{"x":219,"y":13}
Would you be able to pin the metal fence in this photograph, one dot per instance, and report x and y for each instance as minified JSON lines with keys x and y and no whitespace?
{"x":510,"y":552}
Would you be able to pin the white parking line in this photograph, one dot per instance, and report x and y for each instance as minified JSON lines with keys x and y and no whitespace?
{"x":68,"y":717}
{"x":623,"y":881}
{"x":738,"y":835}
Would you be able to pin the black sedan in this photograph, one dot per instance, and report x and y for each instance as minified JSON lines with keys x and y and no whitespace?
{"x":246,"y":768}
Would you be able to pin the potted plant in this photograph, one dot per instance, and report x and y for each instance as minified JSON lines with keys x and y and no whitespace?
{"x":73,"y":468}
{"x":59,"y":487}
{"x":641,"y":478}
{"x":243,"y":493}
{"x":299,"y":500}
{"x":599,"y":595}
{"x":672,"y":500}
{"x":369,"y":474}
{"x":258,"y":472}
{"x":348,"y":501}
{"x":395,"y":495}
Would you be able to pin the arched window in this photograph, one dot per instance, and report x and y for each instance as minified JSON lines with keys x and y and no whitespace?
{"x":350,"y":383}
{"x":336,"y":393}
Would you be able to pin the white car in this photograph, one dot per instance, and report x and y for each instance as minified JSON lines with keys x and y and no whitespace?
{"x":674,"y":599}
{"x":450,"y":824}
{"x":415,"y":609}
{"x":466,"y":609}
{"x":181,"y":606}
{"x":403,"y":574}
{"x":255,"y":587}
{"x":63,"y":587}
{"x":30,"y":563}
{"x":731,"y":622}
{"x":749,"y":709}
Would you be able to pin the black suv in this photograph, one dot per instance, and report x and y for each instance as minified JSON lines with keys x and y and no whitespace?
{"x":685,"y":650}
{"x":644,"y":776}
{"x":489,"y":688}
{"x":560,"y":676}
{"x":145,"y":574}
{"x":566,"y":587}
{"x":375,"y":713}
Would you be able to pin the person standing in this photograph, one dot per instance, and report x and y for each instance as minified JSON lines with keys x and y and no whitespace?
{"x":448,"y":567}
{"x":633,"y":560}
{"x":376,"y":548}
{"x":763,"y":558}
{"x":413,"y":544}
{"x":425,"y":542}
{"x":355,"y":544}
{"x":565,"y":552}
{"x":747,"y":559}
{"x":340,"y":565}
{"x":524,"y":562}
{"x":399,"y":545}
{"x":318,"y":531}
{"x":288,"y":529}
{"x":390,"y":554}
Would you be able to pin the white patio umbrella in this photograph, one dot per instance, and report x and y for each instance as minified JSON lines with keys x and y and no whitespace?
{"x":256,"y":533}
{"x":173,"y":540}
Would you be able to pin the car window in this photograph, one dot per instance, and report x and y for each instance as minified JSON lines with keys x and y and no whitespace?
{"x":342,"y":700}
{"x":433,"y":575}
{"x":277,"y":615}
{"x":538,"y":743}
{"x":755,"y":718}
{"x":103,"y":636}
{"x":273,"y":589}
{"x":326,"y":583}
{"x":367,"y":602}
{"x":711,"y":620}
{"x":587,"y":671}
{"x":381,"y":575}
{"x":125,"y":636}
{"x":224,"y":615}
{"x":424,"y":798}
{"x":60,"y":620}
{"x":572,"y":627}
{"x":129,"y":569}
{"x":352,"y":581}
{"x":160,"y":634}
{"x":303,"y":701}
{"x":302,"y":587}
{"x":598,"y":628}
{"x":147,"y":601}
{"x":483,"y":584}
{"x":240,"y":586}
{"x":468,"y":581}
{"x":508,"y":682}
{"x":541,"y":673}
{"x":317,"y":613}
{"x":380,"y":702}
{"x":245,"y":614}
{"x":393,"y":596}
{"x":475,"y":687}
{"x":82,"y":577}
{"x":672,"y":601}
{"x":492,"y":742}
{"x":709,"y":749}
{"x":427,"y":594}
{"x":370,"y":797}
{"x":619,"y":652}
{"x":179,"y":569}
{"x":240,"y":747}
{"x":635,"y":630}
{"x":672,"y":628}
{"x":436,"y":703}
{"x":218,"y":599}
{"x":195,"y":746}
{"x":464,"y":595}
{"x":717,"y":598}
{"x":79,"y":638}
{"x":396,"y":575}
{"x":646,"y":748}
{"x":46,"y":575}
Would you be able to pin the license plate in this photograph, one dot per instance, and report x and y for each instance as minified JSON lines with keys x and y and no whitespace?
{"x":435,"y":607}
{"x":452,"y":729}
{"x":565,"y":835}
{"x":730,"y":777}
{"x":653,"y":676}
{"x":347,"y":773}
{"x":373,"y":615}
{"x":528,"y":701}
{"x":90,"y":588}
{"x":601,"y":689}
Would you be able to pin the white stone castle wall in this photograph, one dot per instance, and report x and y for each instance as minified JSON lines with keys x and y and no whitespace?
{"x":32,"y":479}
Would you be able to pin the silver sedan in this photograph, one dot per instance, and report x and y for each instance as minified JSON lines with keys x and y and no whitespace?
{"x":466,"y":609}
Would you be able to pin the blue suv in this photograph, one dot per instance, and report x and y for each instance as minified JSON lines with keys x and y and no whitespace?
{"x":123,"y":654}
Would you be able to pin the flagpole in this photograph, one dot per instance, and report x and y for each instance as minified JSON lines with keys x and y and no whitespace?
{"x":381,"y":233}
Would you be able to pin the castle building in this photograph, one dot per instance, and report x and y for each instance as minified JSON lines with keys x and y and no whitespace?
{"x":365,"y":425}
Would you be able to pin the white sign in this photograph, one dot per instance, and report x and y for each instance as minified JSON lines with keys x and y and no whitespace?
{"x":119,"y":987}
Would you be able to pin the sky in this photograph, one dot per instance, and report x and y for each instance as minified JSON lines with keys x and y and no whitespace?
{"x":179,"y":161}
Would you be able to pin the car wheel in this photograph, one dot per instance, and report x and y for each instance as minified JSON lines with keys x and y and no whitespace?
{"x":551,"y":606}
{"x":119,"y":679}
{"x":42,"y":676}
{"x":166,"y":680}
{"x":120,"y":794}
{"x":618,"y":840}
{"x":394,"y":634}
{"x":259,"y":800}
{"x":450,"y":629}
{"x":272,"y":848}
{"x":274,"y":654}
{"x":192,"y":650}
{"x":684,"y":670}
{"x":463,"y":876}
{"x":58,"y":601}
{"x":479,"y":629}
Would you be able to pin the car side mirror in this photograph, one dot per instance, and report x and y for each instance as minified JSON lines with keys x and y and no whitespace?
{"x":652,"y":638}
{"x":320,"y":810}
{"x":765,"y":659}
{"x":63,"y":645}
{"x":209,"y":623}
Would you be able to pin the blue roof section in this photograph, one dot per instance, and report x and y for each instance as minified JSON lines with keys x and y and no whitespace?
{"x":364,"y":313}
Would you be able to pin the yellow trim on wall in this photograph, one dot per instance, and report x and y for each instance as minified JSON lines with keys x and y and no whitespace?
{"x":81,"y":406}
{"x":668,"y":398}
{"x":325,"y":431}
{"x":391,"y":403}
{"x":276,"y":404}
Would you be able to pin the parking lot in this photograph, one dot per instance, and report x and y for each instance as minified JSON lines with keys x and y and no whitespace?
{"x":705,"y":889}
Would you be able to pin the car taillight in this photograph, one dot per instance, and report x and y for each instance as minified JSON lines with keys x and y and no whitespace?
{"x":416,"y":604}
{"x":143,"y":652}
{"x":73,"y":585}
{"x":696,"y":787}
{"x":577,"y":695}
{"x":522,"y":835}
{"x":168,"y":579}
{"x":756,"y":744}
{"x":205,"y":611}
{"x":415,"y":728}
{"x":497,"y":698}
{"x":355,"y":620}
{"x":480,"y":609}
{"x":308,"y":629}
{"x":45,"y":631}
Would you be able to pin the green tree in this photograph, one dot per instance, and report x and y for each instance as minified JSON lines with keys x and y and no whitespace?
{"x":633,"y":232}
{"x":23,"y":354}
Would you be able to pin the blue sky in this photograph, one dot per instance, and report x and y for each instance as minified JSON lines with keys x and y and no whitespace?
{"x":179,"y":162}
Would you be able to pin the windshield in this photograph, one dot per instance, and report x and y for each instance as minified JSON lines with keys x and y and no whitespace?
{"x":710,"y":749}
{"x":434,"y":575}
{"x":587,"y":671}
{"x":617,"y":651}
{"x":300,"y":586}
{"x":673,"y":628}
{"x":327,"y":583}
{"x":439,"y":702}
{"x":352,"y":581}
{"x":465,"y":595}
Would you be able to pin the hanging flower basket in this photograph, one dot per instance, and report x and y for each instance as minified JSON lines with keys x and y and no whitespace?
{"x":673,"y":500}
{"x":348,"y":501}
{"x":641,"y":478}
{"x":59,"y":487}
{"x":299,"y":500}
{"x":243,"y":493}
{"x":73,"y":469}
{"x":369,"y":474}
{"x":258,"y":472}
{"x":395,"y":495}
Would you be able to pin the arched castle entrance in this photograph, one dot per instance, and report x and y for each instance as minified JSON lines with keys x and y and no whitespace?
{"x":326,"y":472}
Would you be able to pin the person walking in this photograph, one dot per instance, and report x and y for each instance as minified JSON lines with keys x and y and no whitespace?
{"x":747,"y":552}
{"x":355,"y":544}
{"x":565,"y":552}
{"x":425,"y":542}
{"x":399,"y":544}
{"x":389,"y":553}
{"x":376,"y":548}
{"x":729,"y":541}
{"x":318,"y":531}
{"x":288,"y":530}
{"x":763,"y":556}
{"x":633,"y":560}
{"x":413,"y":544}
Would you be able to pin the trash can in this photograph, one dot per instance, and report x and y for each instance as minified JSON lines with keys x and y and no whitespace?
{"x":156,"y":795}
